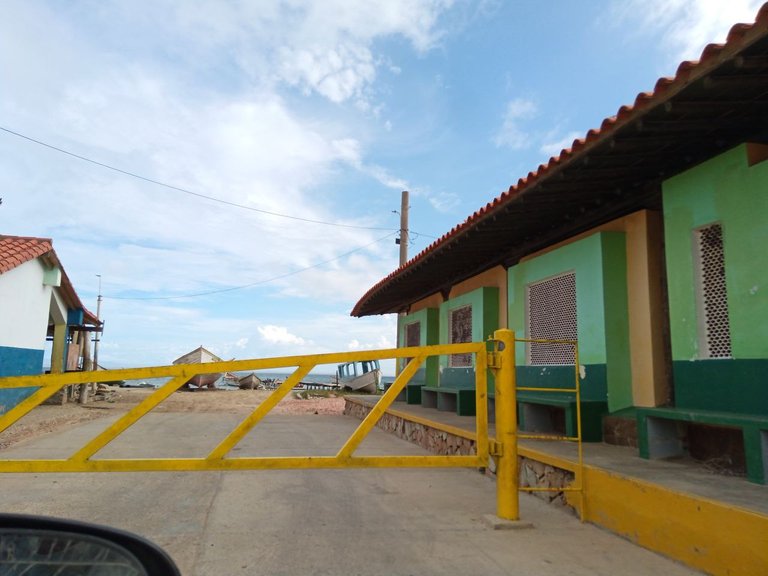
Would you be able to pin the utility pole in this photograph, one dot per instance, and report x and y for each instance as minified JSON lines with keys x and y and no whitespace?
{"x":403,"y":242}
{"x":97,"y":334}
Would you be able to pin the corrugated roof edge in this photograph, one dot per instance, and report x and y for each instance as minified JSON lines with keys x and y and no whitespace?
{"x":664,"y":87}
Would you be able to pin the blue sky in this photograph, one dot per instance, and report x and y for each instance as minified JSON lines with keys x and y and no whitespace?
{"x":317,"y":110}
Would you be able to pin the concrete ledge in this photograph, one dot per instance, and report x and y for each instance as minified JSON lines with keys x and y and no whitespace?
{"x":717,"y":537}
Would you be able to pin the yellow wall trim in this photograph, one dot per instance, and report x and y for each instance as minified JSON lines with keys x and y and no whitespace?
{"x":717,"y":538}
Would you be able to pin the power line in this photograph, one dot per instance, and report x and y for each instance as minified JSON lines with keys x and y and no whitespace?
{"x":184,"y":190}
{"x":233,"y":288}
{"x":418,"y":234}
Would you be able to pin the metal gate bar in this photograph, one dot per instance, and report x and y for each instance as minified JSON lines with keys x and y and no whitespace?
{"x":83,"y":459}
{"x":500,"y":360}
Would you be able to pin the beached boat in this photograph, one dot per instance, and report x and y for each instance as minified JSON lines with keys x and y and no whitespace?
{"x":250,"y":382}
{"x":200,"y":356}
{"x":364,"y":376}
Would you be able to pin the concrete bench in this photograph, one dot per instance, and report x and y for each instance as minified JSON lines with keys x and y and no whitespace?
{"x":411,"y":394}
{"x":660,"y":434}
{"x":533,"y":414}
{"x":400,"y":397}
{"x":449,"y":399}
{"x":456,"y":392}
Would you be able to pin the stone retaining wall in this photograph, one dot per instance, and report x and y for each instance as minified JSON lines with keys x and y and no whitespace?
{"x":431,"y":439}
{"x":532,"y":472}
{"x":539,"y":475}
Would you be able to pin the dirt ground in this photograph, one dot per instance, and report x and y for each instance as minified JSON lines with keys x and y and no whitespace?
{"x":47,"y":419}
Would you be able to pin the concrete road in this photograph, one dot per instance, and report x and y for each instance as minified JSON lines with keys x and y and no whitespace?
{"x":363,"y":522}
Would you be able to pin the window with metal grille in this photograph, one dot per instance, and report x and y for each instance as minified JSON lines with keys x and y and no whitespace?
{"x":460,"y":331}
{"x":714,"y":322}
{"x":552,"y":316}
{"x":412,"y":337}
{"x":413,"y":334}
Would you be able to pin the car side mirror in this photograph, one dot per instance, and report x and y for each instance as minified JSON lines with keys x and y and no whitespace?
{"x":37,"y":545}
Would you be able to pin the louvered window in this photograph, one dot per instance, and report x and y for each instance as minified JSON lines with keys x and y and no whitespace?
{"x":714,"y":323}
{"x":460,"y":331}
{"x":552,"y":316}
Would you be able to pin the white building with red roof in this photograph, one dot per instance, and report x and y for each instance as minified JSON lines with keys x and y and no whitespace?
{"x":38,"y":303}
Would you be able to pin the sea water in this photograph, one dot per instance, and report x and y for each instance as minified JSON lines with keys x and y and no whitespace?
{"x":224,"y":384}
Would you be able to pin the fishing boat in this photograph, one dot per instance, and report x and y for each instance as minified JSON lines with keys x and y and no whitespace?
{"x":250,"y":382}
{"x":361,"y":376}
{"x":200,"y":356}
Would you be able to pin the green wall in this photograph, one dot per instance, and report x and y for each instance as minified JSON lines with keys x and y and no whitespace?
{"x":726,"y":190}
{"x":723,"y":189}
{"x":485,"y":320}
{"x":429,"y":335}
{"x":600,"y":264}
{"x":485,"y":314}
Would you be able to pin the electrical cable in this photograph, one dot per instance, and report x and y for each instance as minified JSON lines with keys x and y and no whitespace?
{"x":185,"y":191}
{"x":241,"y":287}
{"x":418,"y":234}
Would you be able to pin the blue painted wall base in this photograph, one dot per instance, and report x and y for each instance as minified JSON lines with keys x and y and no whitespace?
{"x":18,"y":362}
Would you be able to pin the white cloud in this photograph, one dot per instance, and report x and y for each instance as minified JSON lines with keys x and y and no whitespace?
{"x":686,"y":26}
{"x":444,"y":201}
{"x":321,"y":47}
{"x":354,"y":344}
{"x":338,"y":73}
{"x":554,"y":147}
{"x":202,"y":96}
{"x":342,"y":281}
{"x":348,"y":150}
{"x":512,"y":134}
{"x":381,"y":342}
{"x":279,"y":335}
{"x":383,"y":176}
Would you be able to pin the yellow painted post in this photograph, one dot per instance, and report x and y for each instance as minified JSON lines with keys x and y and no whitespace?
{"x":507,"y":497}
{"x":57,"y":354}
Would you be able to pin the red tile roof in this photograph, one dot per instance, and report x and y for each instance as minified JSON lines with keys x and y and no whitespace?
{"x":16,"y":250}
{"x":739,"y":37}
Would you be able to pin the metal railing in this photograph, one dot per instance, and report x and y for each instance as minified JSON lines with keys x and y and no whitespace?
{"x":578,"y":480}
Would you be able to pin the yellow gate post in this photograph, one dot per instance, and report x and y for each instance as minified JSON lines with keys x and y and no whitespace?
{"x":507,"y":497}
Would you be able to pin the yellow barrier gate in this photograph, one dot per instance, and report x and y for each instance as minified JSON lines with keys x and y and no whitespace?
{"x":578,"y":480}
{"x":500,"y":359}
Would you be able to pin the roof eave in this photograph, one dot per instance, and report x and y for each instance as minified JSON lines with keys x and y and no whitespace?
{"x":628,"y":119}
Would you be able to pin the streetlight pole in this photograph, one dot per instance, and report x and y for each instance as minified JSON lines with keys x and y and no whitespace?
{"x":98,"y":332}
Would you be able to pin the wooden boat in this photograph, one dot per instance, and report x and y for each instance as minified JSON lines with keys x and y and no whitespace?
{"x":200,"y":356}
{"x":361,"y":376}
{"x":250,"y":382}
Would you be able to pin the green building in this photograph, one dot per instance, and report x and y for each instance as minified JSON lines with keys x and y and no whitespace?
{"x":645,"y":242}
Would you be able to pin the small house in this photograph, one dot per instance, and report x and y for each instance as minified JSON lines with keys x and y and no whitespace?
{"x":38,"y":304}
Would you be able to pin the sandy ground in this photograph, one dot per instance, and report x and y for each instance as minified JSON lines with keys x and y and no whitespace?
{"x":47,"y":419}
